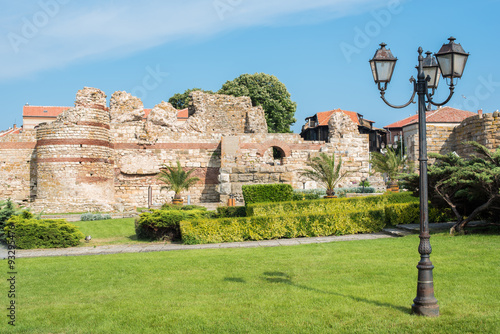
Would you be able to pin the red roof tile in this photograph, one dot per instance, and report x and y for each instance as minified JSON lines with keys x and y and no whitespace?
{"x":10,"y":132}
{"x":37,"y":111}
{"x":401,"y":123}
{"x":324,"y":116}
{"x":449,"y":115}
{"x":441,"y":115}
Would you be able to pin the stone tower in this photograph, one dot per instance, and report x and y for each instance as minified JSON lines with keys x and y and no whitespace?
{"x":75,"y":156}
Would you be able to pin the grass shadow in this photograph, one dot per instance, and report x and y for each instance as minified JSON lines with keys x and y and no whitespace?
{"x":284,"y":278}
{"x":234,"y":279}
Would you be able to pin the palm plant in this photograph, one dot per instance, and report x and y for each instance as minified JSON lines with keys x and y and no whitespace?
{"x":325,"y":171}
{"x":177,"y":179}
{"x":390,"y":163}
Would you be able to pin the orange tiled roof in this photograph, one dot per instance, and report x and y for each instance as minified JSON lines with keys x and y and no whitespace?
{"x":441,"y":115}
{"x":38,"y":111}
{"x":10,"y":132}
{"x":324,"y":116}
{"x":401,"y":123}
{"x":449,"y":115}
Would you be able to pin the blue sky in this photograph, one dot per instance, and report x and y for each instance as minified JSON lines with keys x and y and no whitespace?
{"x":49,"y":49}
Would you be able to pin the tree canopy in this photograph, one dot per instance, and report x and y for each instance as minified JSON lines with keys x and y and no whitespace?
{"x":267,"y":91}
{"x":181,"y":101}
{"x":469,"y":186}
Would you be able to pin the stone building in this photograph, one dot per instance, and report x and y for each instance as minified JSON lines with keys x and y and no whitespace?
{"x":94,"y":157}
{"x":317,"y":127}
{"x":447,"y":128}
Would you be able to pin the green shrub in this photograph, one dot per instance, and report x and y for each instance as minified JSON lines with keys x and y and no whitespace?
{"x":328,"y":205}
{"x":402,"y":213}
{"x":231,"y":211}
{"x":28,"y":233}
{"x":409,"y":213}
{"x":260,"y":193}
{"x":307,"y":194}
{"x":198,"y":231}
{"x":164,"y":224}
{"x":168,"y":206}
{"x":94,"y":216}
{"x":355,"y":190}
{"x":401,"y":197}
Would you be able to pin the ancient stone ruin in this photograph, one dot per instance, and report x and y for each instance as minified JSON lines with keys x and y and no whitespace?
{"x":97,"y":158}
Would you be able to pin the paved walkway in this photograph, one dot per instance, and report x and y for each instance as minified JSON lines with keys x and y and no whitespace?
{"x":161,"y":247}
{"x":390,"y":232}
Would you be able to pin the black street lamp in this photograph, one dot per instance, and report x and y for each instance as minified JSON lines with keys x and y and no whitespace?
{"x":451,"y":60}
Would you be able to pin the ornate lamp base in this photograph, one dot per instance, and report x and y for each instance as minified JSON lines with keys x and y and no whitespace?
{"x":427,"y":311}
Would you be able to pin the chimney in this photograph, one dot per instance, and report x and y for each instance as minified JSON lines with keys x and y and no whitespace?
{"x":15,"y":126}
{"x":480,"y":113}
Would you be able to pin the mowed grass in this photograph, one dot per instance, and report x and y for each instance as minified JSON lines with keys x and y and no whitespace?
{"x":109,"y":232}
{"x":341,"y":287}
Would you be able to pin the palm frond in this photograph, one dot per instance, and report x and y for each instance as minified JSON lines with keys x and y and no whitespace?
{"x":324,"y":171}
{"x":176,"y":178}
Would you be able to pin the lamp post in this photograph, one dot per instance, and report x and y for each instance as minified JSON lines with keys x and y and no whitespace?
{"x":451,"y":60}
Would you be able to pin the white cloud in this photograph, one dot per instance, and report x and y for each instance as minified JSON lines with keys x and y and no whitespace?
{"x":56,"y":33}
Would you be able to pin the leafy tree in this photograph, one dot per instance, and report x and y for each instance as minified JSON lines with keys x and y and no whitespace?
{"x":177,"y":179}
{"x":267,"y":91}
{"x":181,"y":101}
{"x":470,"y":187}
{"x":325,"y":171}
{"x":390,"y":163}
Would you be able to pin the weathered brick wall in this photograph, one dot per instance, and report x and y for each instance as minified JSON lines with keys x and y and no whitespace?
{"x":248,"y":159}
{"x":137,"y":167}
{"x":438,"y":139}
{"x":484,"y":129}
{"x":227,"y":114}
{"x":446,"y":138}
{"x":74,"y":156}
{"x":92,"y":158}
{"x":17,"y":166}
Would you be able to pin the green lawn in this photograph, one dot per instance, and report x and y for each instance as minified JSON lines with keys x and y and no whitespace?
{"x":109,"y":232}
{"x":341,"y":287}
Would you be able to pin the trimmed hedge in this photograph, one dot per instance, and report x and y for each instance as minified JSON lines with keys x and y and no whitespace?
{"x":164,"y":224}
{"x":260,"y":193}
{"x":328,"y":205}
{"x":231,"y":211}
{"x":409,"y":213}
{"x":29,"y":233}
{"x":200,"y":231}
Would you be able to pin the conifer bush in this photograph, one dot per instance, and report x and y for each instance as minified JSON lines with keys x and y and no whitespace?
{"x":27,"y":232}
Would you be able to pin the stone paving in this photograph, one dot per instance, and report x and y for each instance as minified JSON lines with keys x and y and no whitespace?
{"x":161,"y":247}
{"x":390,"y":232}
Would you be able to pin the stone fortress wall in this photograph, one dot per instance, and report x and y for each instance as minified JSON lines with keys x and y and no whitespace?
{"x":98,"y":158}
{"x":482,"y":128}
